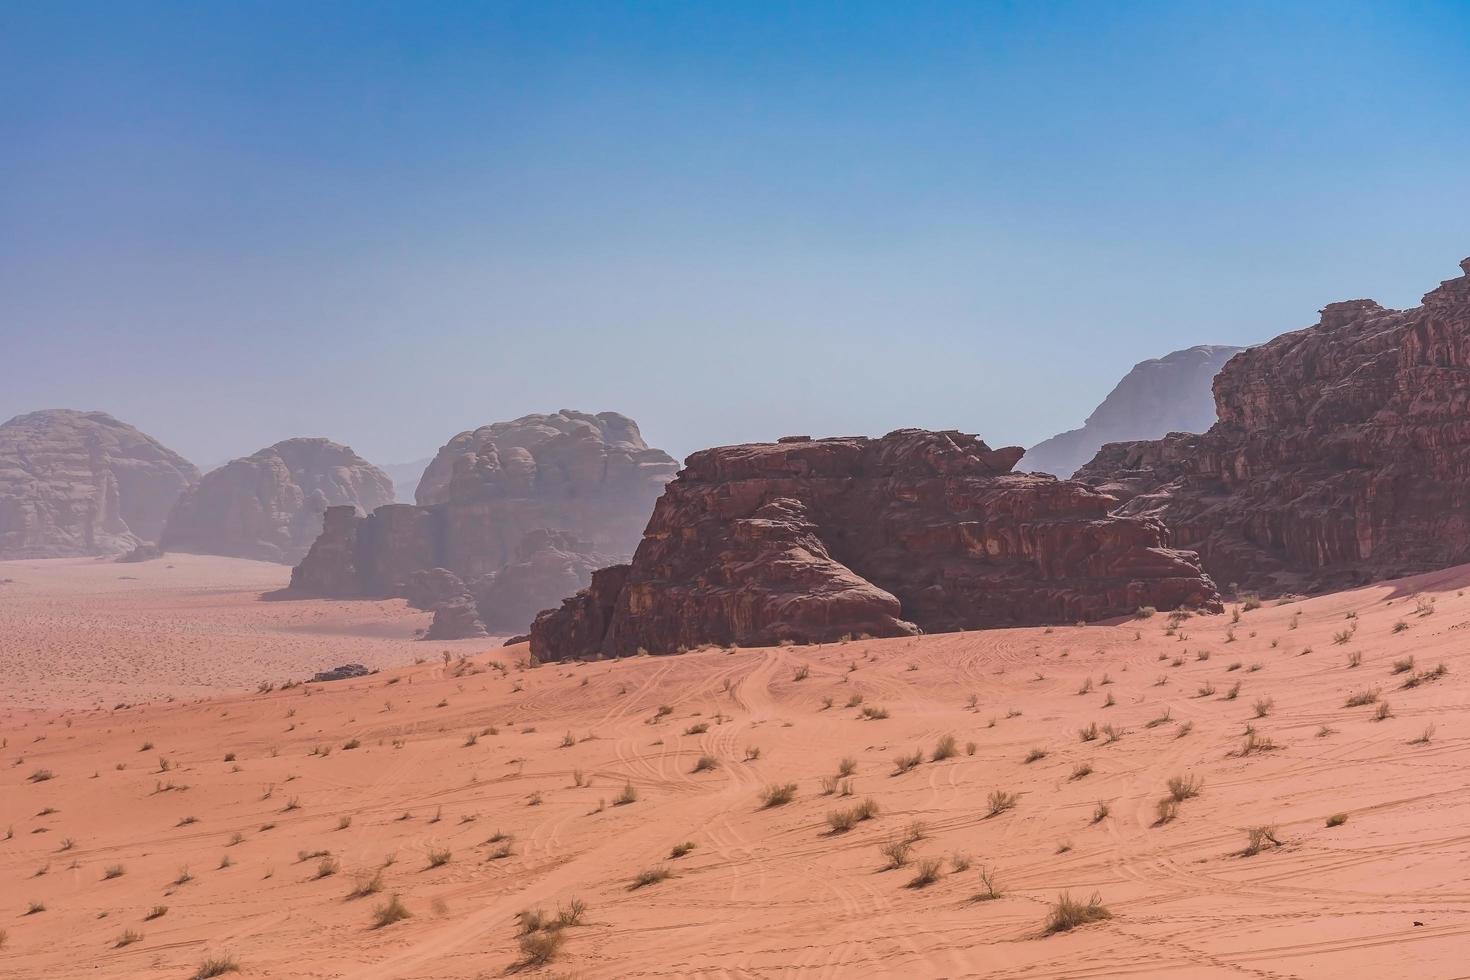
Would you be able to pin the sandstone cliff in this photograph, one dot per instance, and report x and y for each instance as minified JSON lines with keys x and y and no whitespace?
{"x":807,"y":540}
{"x":517,"y":513}
{"x":269,"y":506}
{"x":1341,"y":454}
{"x":83,"y":483}
{"x":1167,"y":394}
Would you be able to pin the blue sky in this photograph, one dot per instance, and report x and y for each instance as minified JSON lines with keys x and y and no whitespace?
{"x":386,"y":222}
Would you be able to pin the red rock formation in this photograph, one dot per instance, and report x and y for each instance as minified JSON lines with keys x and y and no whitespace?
{"x":519,"y":513}
{"x":807,"y":540}
{"x":592,"y":475}
{"x":269,"y":506}
{"x":83,"y":483}
{"x":1162,"y":395}
{"x":1342,"y":453}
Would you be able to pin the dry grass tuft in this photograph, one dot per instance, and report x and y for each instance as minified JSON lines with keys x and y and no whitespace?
{"x":650,"y":876}
{"x":390,"y":912}
{"x":216,"y":966}
{"x":1069,"y":913}
{"x":778,"y":794}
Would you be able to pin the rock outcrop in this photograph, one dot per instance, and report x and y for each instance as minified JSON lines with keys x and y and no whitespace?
{"x":1341,"y":454}
{"x":518,"y":514}
{"x":1166,"y":394}
{"x":269,"y":506}
{"x":83,"y":483}
{"x":808,"y":540}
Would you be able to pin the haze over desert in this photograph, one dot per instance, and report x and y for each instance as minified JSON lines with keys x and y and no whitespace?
{"x":734,"y":490}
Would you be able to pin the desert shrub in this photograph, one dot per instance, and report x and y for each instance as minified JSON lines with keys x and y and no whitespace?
{"x":1185,"y":787}
{"x":897,"y":852}
{"x":927,"y":873}
{"x":945,"y":748}
{"x":216,"y":966}
{"x":1337,"y":820}
{"x":1001,"y":801}
{"x":705,"y":763}
{"x":367,"y":885}
{"x":909,"y":760}
{"x":628,"y":795}
{"x":778,"y":794}
{"x":1259,"y":839}
{"x":990,"y":888}
{"x":650,"y":876}
{"x":1035,"y":755}
{"x":1069,"y":913}
{"x":390,"y":912}
{"x":681,"y":849}
{"x":540,"y":948}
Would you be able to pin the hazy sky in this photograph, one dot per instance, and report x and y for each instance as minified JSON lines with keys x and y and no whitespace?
{"x":231,"y":223}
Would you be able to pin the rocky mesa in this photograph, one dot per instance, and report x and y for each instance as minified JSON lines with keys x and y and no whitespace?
{"x":1166,"y":394}
{"x":83,"y":483}
{"x":510,"y":517}
{"x":1341,"y":454}
{"x":807,"y":540}
{"x":269,"y":506}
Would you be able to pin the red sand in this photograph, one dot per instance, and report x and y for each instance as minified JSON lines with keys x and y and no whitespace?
{"x":764,"y":892}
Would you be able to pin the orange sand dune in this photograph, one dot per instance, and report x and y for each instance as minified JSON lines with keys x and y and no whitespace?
{"x":443,"y":759}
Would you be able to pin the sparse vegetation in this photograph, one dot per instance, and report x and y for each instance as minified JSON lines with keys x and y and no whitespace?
{"x":390,"y":912}
{"x":216,"y":966}
{"x":778,"y":794}
{"x":650,"y":876}
{"x":1069,"y":913}
{"x":1001,"y":801}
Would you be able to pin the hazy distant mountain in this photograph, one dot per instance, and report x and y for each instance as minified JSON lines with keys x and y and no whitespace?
{"x":269,"y":505}
{"x":83,"y":483}
{"x":1167,"y":394}
{"x":405,"y":477}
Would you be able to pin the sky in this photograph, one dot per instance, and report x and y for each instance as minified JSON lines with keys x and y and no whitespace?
{"x":384,"y":223}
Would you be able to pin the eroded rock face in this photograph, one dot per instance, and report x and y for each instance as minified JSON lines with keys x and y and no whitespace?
{"x":807,"y":540}
{"x":1341,"y":454}
{"x":83,"y":483}
{"x":269,"y":506}
{"x":520,"y":513}
{"x":1166,"y":394}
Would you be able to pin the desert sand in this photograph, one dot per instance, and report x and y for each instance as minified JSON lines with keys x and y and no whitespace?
{"x":92,"y":632}
{"x":145,"y":840}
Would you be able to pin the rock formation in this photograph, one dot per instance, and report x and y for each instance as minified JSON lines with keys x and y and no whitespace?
{"x":269,"y":506}
{"x":1341,"y":454}
{"x":807,"y":540}
{"x":1167,"y":394}
{"x":516,"y":514}
{"x":83,"y":483}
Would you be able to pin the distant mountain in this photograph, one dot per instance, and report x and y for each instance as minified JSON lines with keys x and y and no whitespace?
{"x":1167,"y":394}
{"x":83,"y":483}
{"x":269,"y":506}
{"x":405,"y":477}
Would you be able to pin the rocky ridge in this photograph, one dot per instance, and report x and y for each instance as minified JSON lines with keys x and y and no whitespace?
{"x":807,"y":540}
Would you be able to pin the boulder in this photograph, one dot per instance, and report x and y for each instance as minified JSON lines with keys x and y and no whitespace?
{"x":81,"y":484}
